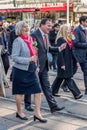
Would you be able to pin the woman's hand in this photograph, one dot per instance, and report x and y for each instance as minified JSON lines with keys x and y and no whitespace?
{"x":33,"y":58}
{"x":38,"y":69}
{"x":78,"y":65}
{"x":63,"y":46}
{"x":63,"y":67}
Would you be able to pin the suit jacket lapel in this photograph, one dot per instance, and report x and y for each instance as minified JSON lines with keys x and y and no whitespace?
{"x":40,"y":38}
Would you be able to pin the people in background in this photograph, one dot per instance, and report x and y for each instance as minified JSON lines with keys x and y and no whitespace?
{"x":32,"y":29}
{"x":4,"y":51}
{"x":52,"y":37}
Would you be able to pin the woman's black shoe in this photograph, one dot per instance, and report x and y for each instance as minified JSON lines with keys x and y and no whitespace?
{"x":22,"y":118}
{"x":41,"y":120}
{"x":79,"y":96}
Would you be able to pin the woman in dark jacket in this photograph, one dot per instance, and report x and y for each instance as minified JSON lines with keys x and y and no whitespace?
{"x":65,"y":64}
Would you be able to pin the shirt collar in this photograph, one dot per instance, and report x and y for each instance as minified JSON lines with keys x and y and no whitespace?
{"x":83,"y":27}
{"x":42,"y":33}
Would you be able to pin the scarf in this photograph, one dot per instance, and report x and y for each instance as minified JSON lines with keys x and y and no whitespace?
{"x":69,"y":42}
{"x":28,"y":41}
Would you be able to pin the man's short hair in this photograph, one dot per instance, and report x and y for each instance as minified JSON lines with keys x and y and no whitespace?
{"x":44,"y":20}
{"x":82,"y":18}
{"x":55,"y":25}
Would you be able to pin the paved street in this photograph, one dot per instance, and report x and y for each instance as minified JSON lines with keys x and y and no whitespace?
{"x":58,"y":121}
{"x":73,"y":117}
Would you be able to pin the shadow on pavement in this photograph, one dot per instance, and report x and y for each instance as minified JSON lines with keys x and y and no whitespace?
{"x":83,"y":128}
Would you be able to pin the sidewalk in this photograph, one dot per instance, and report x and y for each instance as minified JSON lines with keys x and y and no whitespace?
{"x":73,"y":108}
{"x":56,"y":121}
{"x":76,"y":108}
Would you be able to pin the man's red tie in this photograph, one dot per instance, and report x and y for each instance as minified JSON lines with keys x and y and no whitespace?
{"x":45,"y":40}
{"x":86,"y":33}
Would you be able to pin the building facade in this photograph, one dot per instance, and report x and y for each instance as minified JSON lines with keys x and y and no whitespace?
{"x":34,"y":10}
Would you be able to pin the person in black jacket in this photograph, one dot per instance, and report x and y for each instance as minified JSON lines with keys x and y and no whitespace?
{"x":65,"y":64}
{"x":40,"y":35}
{"x":52,"y":37}
{"x":12,"y":37}
{"x":4,"y":51}
{"x":80,"y":46}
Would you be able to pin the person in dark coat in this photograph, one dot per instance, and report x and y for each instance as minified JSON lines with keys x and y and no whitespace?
{"x":52,"y":37}
{"x":65,"y":66}
{"x":12,"y":37}
{"x":4,"y":51}
{"x":80,"y":47}
{"x":40,"y":35}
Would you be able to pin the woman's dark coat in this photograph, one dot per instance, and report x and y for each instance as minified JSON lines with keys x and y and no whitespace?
{"x":64,"y":58}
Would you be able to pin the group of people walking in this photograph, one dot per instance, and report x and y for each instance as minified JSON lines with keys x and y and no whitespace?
{"x":30,"y":70}
{"x":25,"y":72}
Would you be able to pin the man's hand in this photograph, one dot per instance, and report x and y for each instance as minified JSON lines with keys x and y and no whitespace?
{"x":38,"y":69}
{"x":63,"y":46}
{"x":63,"y":67}
{"x":78,"y":65}
{"x":6,"y":84}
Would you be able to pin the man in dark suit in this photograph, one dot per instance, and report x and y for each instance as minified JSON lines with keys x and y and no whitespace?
{"x":80,"y":46}
{"x":27,"y":98}
{"x":41,"y":39}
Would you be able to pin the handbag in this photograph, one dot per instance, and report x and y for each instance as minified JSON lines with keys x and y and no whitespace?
{"x":4,"y":51}
{"x":5,"y":60}
{"x":50,"y":57}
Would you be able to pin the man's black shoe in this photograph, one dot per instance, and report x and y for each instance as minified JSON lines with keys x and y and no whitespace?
{"x":56,"y":95}
{"x":29,"y":108}
{"x":65,"y":88}
{"x":79,"y":96}
{"x":57,"y":109}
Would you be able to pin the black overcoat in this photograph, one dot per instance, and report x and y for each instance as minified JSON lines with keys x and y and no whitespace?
{"x":64,"y":58}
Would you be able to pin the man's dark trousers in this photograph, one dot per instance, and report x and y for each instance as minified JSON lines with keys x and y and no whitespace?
{"x":84,"y":69}
{"x":43,"y":76}
{"x":27,"y":100}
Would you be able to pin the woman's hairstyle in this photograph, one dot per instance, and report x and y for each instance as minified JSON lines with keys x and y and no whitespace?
{"x":62,"y":32}
{"x":19,"y":26}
